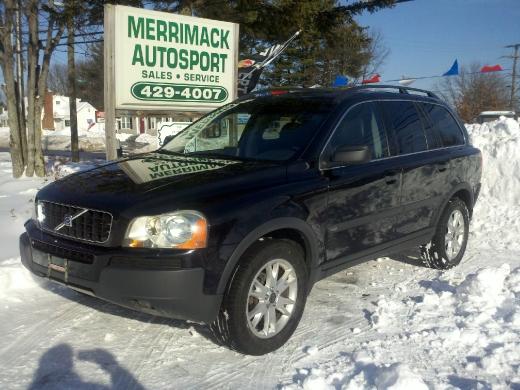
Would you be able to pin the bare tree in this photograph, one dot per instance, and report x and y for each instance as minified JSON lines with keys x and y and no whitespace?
{"x":472,"y":92}
{"x":7,"y":17}
{"x":377,"y":53}
{"x":37,"y":73}
{"x":57,"y":80}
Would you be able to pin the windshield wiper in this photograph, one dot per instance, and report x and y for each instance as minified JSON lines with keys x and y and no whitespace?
{"x":165,"y":151}
{"x":212,"y":154}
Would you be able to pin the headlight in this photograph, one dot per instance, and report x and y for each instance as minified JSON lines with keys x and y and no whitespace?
{"x":38,"y":213}
{"x":181,"y":229}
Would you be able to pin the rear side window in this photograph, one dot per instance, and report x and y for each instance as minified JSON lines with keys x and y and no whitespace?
{"x":404,"y":119}
{"x":432,"y":132}
{"x":447,"y":127}
{"x":362,"y":126}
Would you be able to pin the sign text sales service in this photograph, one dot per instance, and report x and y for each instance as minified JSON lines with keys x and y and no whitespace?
{"x":170,"y":61}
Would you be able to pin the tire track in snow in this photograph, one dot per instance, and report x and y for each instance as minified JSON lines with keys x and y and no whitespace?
{"x":29,"y":338}
{"x":278,"y":363}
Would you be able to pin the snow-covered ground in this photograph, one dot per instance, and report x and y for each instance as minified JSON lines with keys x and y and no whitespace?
{"x":384,"y":324}
{"x":92,"y":140}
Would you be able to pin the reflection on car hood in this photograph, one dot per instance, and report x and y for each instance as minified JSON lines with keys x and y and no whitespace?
{"x":155,"y":166}
{"x":156,"y":180}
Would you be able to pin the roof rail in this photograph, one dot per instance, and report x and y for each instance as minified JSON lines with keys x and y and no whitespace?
{"x":400,"y":88}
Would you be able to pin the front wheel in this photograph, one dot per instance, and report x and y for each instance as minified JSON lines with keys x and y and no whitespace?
{"x":448,"y":245}
{"x":265,"y":301}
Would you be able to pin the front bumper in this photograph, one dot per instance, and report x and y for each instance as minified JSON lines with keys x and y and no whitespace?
{"x":158,"y":286}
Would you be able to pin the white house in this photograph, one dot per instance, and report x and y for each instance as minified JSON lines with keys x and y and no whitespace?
{"x":57,"y":108}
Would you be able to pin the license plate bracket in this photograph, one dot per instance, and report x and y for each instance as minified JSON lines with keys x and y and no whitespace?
{"x":58,"y":268}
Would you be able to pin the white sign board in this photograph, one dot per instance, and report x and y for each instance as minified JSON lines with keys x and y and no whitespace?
{"x":164,"y":61}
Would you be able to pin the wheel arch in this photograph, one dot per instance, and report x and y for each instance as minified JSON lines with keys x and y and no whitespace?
{"x":462,"y":191}
{"x":466,"y":196}
{"x":291,"y":228}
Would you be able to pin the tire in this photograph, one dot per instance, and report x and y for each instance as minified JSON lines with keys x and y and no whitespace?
{"x":442,"y":252}
{"x":233,"y":326}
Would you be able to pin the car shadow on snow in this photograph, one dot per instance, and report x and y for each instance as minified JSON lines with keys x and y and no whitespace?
{"x":56,"y":370}
{"x":215,"y":333}
{"x":411,"y":257}
{"x":120,"y":311}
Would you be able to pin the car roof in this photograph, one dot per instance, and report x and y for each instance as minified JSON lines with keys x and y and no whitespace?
{"x":363,"y":92}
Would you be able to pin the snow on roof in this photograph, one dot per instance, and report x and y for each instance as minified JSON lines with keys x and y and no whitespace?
{"x":61,"y":109}
{"x":84,"y":105}
{"x":497,"y":113}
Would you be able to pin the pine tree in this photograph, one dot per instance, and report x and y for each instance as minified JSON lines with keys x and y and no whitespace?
{"x":331,"y":41}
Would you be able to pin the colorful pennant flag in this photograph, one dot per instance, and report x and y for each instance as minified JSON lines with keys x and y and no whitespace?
{"x":340,"y":81}
{"x":406,"y":82}
{"x":374,"y":79}
{"x":454,"y":70}
{"x":246,"y":63}
{"x":250,"y":69}
{"x":491,"y":68}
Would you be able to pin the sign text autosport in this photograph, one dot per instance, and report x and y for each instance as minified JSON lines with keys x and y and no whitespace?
{"x":170,"y":61}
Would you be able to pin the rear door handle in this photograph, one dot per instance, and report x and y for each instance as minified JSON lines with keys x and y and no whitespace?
{"x":443,"y":166}
{"x":391,"y":176}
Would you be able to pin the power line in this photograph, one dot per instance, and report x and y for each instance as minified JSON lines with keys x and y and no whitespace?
{"x":515,"y":57}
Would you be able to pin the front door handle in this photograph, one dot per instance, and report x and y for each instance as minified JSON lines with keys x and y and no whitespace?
{"x":391,"y":177}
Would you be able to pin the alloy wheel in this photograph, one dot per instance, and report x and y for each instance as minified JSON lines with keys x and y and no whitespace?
{"x":454,"y":237}
{"x":271,"y":299}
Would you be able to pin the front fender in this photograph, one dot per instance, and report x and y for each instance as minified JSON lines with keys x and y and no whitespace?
{"x":313,"y":249}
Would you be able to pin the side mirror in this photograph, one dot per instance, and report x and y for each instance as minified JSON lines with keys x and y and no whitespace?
{"x":352,"y":154}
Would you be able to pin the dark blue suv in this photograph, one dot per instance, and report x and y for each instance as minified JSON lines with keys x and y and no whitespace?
{"x":235,"y":218}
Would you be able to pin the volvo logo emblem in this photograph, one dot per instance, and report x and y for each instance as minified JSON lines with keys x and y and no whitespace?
{"x":67,"y":219}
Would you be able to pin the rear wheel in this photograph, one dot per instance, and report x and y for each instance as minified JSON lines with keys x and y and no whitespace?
{"x":451,"y":237}
{"x":265,"y":301}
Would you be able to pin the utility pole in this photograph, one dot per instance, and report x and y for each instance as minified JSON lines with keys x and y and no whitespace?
{"x":515,"y":57}
{"x":71,"y":68}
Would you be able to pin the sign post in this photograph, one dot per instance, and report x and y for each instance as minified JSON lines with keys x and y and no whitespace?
{"x":109,"y":84}
{"x":162,"y":62}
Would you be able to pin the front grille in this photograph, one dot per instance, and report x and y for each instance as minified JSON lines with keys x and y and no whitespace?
{"x":76,"y":222}
{"x":68,"y":254}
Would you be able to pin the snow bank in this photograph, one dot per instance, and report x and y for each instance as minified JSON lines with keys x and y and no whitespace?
{"x":60,"y":168}
{"x":358,"y":372}
{"x":147,"y":139}
{"x":91,"y":140}
{"x":123,"y":136}
{"x":500,"y":145}
{"x":498,"y":207}
{"x":475,"y":321}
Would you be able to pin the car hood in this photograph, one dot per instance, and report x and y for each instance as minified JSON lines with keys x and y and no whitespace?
{"x":156,"y":181}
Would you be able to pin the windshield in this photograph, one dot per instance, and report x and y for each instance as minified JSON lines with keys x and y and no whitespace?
{"x":272,"y":128}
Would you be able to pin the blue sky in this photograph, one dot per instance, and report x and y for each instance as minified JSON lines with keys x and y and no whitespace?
{"x":426,"y":36}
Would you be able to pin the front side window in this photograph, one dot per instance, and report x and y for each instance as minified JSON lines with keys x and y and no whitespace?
{"x":362,"y":126}
{"x":404,"y":120}
{"x":447,"y":127}
{"x":268,"y":128}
